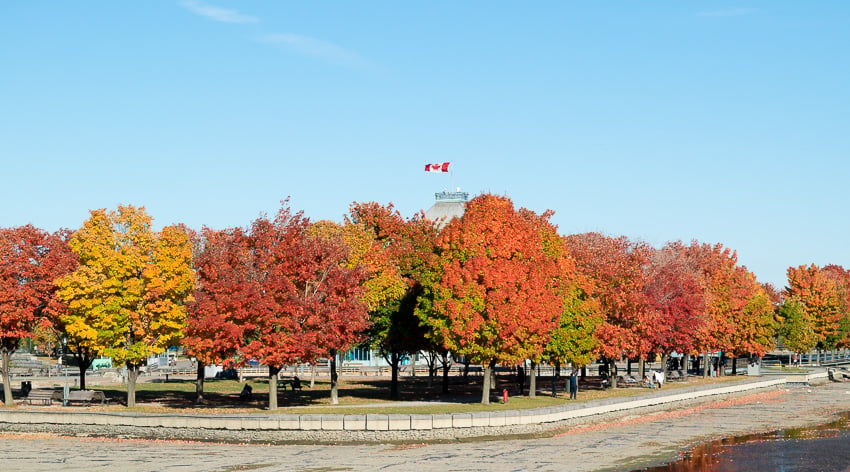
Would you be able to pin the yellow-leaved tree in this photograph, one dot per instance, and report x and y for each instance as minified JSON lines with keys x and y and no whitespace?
{"x":126,"y":299}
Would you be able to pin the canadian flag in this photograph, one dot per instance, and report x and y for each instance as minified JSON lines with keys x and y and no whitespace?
{"x":442,"y":167}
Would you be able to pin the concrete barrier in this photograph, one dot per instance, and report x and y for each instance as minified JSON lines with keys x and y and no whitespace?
{"x":377,"y":422}
{"x":311,"y":422}
{"x":398,"y":422}
{"x":332,"y":423}
{"x":443,"y":421}
{"x":354,"y":422}
{"x":461,"y":420}
{"x":421,"y":422}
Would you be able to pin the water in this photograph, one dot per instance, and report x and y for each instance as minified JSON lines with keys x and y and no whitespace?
{"x":823,"y":448}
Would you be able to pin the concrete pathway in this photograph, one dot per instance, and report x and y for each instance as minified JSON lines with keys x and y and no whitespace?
{"x":624,"y":444}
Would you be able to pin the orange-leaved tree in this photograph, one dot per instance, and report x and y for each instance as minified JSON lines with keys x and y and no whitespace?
{"x":614,"y":267}
{"x":575,"y":340}
{"x":739,"y":312}
{"x":820,"y":297}
{"x":127,"y":298}
{"x":497,"y":298}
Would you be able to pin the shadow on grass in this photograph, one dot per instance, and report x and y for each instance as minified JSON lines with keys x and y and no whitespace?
{"x":180,"y":393}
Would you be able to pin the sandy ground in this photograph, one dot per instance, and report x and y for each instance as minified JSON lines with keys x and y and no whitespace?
{"x":625,"y":444}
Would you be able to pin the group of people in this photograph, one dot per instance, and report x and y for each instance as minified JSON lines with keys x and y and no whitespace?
{"x":654,"y":378}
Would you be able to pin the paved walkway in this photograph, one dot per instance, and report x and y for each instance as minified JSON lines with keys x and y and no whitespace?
{"x":621,"y":445}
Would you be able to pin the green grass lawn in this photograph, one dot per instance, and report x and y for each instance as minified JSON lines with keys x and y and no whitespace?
{"x":357,"y":395}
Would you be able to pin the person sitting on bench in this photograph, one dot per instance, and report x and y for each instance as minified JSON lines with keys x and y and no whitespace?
{"x":247,"y":393}
{"x":295,"y":383}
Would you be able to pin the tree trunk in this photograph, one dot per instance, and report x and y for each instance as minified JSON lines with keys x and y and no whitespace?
{"x":6,"y":354}
{"x":612,"y":372}
{"x":273,"y":371}
{"x":485,"y":391}
{"x":199,"y":384}
{"x":334,"y":379}
{"x":312,"y":374}
{"x":532,"y":381}
{"x":82,"y":369}
{"x":706,"y":364}
{"x":446,"y":367}
{"x":132,"y":375}
{"x":664,"y":364}
{"x":641,"y":369}
{"x":395,"y":358}
{"x":628,"y":367}
{"x":465,"y":367}
{"x":431,"y":358}
{"x":583,"y":375}
{"x":83,"y":363}
{"x":735,"y":365}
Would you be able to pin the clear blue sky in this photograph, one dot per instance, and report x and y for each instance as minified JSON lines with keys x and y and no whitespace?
{"x":720,"y":121}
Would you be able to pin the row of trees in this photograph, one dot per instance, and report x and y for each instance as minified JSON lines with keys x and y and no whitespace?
{"x":497,"y":286}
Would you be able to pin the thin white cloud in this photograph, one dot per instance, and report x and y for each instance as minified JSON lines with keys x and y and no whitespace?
{"x":317,"y":48}
{"x":729,"y":12}
{"x":217,"y":13}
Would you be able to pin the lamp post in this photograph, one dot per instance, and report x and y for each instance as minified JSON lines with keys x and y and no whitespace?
{"x":66,"y":391}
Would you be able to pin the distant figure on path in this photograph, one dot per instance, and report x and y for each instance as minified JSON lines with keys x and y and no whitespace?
{"x":573,"y":384}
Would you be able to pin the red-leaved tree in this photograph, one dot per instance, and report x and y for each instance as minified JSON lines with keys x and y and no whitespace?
{"x":30,"y":260}
{"x":310,"y":303}
{"x":225,"y":300}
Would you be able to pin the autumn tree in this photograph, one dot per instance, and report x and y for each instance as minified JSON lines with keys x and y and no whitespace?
{"x":382,"y":281}
{"x":409,"y":246}
{"x":224,"y":302}
{"x":795,"y":330}
{"x":739,"y":313}
{"x":821,"y":298}
{"x":615,"y":268}
{"x":311,"y":304}
{"x":574,"y":341}
{"x":841,"y":277}
{"x":496,"y":299}
{"x":30,"y":259}
{"x":675,"y":292}
{"x":127,"y":298}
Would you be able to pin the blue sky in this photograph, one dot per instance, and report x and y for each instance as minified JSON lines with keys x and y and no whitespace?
{"x":718,"y":121}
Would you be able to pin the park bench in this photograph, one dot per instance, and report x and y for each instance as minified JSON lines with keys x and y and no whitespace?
{"x":629,"y":381}
{"x":20,"y":372}
{"x":43,"y":396}
{"x":85,"y":397}
{"x":676,"y":375}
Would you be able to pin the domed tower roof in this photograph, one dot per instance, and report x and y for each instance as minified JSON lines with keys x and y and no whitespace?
{"x":447,"y":206}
